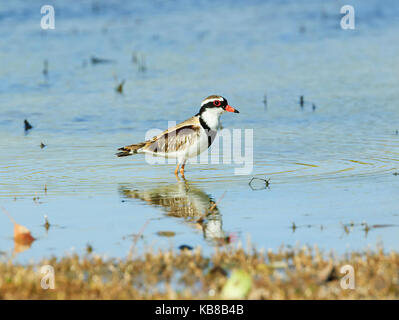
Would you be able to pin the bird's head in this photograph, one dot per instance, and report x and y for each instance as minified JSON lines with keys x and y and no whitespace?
{"x":211,"y":109}
{"x":216,"y":105}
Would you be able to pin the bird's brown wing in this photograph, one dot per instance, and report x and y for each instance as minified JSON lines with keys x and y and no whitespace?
{"x":175,"y":138}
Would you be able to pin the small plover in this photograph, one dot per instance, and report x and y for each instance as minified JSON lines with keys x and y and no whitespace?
{"x":187,"y":139}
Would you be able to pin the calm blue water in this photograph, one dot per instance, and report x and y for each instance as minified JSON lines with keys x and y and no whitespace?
{"x":327,"y":168}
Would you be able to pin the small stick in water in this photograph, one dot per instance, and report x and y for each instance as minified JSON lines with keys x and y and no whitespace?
{"x":136,"y":238}
{"x":27,"y":125}
{"x":45,"y":68}
{"x":301,"y":101}
{"x":265,"y":100}
{"x":95,"y":60}
{"x":119,"y":88}
{"x":46,"y":223}
{"x":135,"y":58}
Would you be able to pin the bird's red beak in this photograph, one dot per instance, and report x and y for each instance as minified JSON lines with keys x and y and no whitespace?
{"x":231,"y":109}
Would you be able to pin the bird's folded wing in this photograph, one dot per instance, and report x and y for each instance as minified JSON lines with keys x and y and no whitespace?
{"x":175,"y":138}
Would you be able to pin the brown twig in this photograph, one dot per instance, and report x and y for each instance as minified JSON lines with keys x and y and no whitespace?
{"x":136,"y":238}
{"x":8,"y":215}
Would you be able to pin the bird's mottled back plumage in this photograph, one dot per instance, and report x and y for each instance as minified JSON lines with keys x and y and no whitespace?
{"x":171,"y":140}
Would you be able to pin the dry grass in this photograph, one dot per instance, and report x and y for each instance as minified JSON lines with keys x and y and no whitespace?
{"x":286,"y":274}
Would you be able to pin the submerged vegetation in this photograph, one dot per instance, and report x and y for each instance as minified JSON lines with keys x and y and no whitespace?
{"x":231,"y":273}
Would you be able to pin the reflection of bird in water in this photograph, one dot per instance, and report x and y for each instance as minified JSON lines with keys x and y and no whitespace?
{"x":182,"y":200}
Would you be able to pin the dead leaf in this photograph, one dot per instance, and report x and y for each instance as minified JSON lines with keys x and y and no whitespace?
{"x":22,"y":234}
{"x":22,"y":237}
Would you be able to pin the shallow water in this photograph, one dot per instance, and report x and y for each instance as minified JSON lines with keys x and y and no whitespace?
{"x":328,"y":167}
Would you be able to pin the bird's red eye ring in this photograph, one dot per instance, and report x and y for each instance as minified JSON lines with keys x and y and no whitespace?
{"x":216,"y":103}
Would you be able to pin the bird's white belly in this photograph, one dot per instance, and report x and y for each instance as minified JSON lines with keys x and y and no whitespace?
{"x":198,"y":146}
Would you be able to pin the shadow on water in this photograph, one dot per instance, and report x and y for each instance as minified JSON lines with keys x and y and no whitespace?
{"x":185,"y":201}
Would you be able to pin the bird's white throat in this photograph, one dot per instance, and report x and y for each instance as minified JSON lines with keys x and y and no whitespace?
{"x":211,"y":117}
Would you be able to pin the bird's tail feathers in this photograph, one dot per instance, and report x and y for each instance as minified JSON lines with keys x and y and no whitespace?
{"x":130,"y":150}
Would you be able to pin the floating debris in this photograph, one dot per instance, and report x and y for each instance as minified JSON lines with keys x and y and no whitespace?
{"x":264,"y":185}
{"x":366,"y":228}
{"x":167,"y":234}
{"x":313,"y":107}
{"x":139,"y":60}
{"x":135,"y":58}
{"x":27,"y":125}
{"x":301,"y":101}
{"x":95,"y":60}
{"x":375,"y":226}
{"x":45,"y":68}
{"x":348,"y":228}
{"x":294,"y":226}
{"x":265,"y":101}
{"x":36,"y":198}
{"x":46,"y":223}
{"x":119,"y":88}
{"x":142,"y":64}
